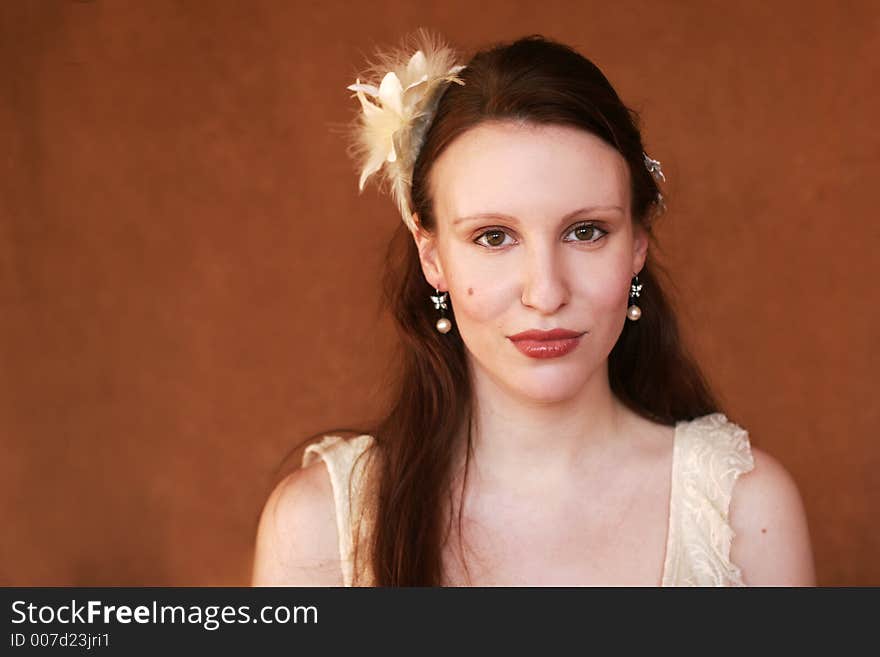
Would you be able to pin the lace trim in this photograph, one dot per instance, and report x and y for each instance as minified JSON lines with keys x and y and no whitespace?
{"x":339,"y":456}
{"x":710,"y":453}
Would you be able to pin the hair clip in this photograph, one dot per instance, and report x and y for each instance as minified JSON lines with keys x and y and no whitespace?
{"x":653,"y":166}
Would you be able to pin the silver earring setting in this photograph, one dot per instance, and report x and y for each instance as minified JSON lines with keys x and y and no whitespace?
{"x":634,"y":312}
{"x":443,"y":324}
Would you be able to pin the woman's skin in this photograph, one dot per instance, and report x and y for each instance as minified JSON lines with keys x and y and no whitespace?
{"x":541,"y":420}
{"x":565,"y":485}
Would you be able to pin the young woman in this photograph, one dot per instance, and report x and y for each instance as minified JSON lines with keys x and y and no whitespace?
{"x":547,"y":426}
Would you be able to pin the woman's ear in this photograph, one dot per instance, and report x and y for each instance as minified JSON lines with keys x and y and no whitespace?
{"x":640,"y":247}
{"x":426,"y":243}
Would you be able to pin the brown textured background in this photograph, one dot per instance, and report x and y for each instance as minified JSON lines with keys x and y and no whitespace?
{"x":189,"y":279}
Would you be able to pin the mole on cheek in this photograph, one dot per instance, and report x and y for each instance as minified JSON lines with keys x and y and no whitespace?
{"x":470,"y":291}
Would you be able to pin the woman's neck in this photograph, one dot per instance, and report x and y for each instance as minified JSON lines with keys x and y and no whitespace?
{"x":519,"y":442}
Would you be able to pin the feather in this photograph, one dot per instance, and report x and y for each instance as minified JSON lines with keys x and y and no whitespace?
{"x":388,"y":133}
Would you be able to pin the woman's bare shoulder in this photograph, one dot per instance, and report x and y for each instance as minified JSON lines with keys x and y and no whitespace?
{"x":771,"y":539}
{"x":297,"y":541}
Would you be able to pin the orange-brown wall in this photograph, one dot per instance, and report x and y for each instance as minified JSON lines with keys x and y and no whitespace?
{"x":189,"y":280}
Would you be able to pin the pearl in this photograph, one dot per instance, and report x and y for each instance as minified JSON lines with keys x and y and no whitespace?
{"x":634,"y":312}
{"x":444,"y":325}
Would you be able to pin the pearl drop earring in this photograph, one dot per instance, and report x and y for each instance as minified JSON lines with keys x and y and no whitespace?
{"x":443,"y":324}
{"x":634,"y":312}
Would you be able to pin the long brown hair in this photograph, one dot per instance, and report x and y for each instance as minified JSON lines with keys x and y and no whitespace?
{"x":531,"y":80}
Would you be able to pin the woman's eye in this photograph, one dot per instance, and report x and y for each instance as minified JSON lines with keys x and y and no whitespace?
{"x":493,"y":237}
{"x":587,"y":233}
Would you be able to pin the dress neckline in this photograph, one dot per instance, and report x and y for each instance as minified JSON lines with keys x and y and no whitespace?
{"x":667,"y":556}
{"x":672,"y":506}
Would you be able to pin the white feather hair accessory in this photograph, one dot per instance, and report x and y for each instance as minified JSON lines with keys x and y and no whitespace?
{"x":389,"y":135}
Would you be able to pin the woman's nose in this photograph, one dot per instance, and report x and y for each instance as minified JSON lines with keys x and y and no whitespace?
{"x":545,"y":286}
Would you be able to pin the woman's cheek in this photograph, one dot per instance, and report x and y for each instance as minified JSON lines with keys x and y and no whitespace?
{"x":615,"y":295}
{"x":473,"y":303}
{"x":476,"y":293}
{"x":612,"y":290}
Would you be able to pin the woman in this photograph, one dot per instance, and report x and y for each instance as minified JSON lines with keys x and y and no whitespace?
{"x":548,"y":426}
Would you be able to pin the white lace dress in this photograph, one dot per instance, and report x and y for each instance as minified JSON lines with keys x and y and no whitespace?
{"x":709,"y":453}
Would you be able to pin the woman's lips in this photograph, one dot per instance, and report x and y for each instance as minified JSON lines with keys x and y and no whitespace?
{"x":546,"y":344}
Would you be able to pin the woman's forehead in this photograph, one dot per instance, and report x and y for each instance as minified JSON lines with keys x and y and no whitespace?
{"x":522,"y":169}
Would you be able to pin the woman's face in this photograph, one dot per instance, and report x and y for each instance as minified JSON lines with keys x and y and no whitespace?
{"x":534,"y":231}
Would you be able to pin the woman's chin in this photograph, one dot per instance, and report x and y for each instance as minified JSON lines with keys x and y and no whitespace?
{"x":548,"y":389}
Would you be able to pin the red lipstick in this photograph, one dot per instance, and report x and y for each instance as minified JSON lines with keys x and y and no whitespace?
{"x":535,"y":343}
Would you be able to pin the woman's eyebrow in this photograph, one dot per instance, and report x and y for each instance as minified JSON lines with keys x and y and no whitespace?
{"x":511,"y":218}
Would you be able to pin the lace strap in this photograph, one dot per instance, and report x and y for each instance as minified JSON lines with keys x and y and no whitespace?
{"x":710,"y":453}
{"x":340,"y":456}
